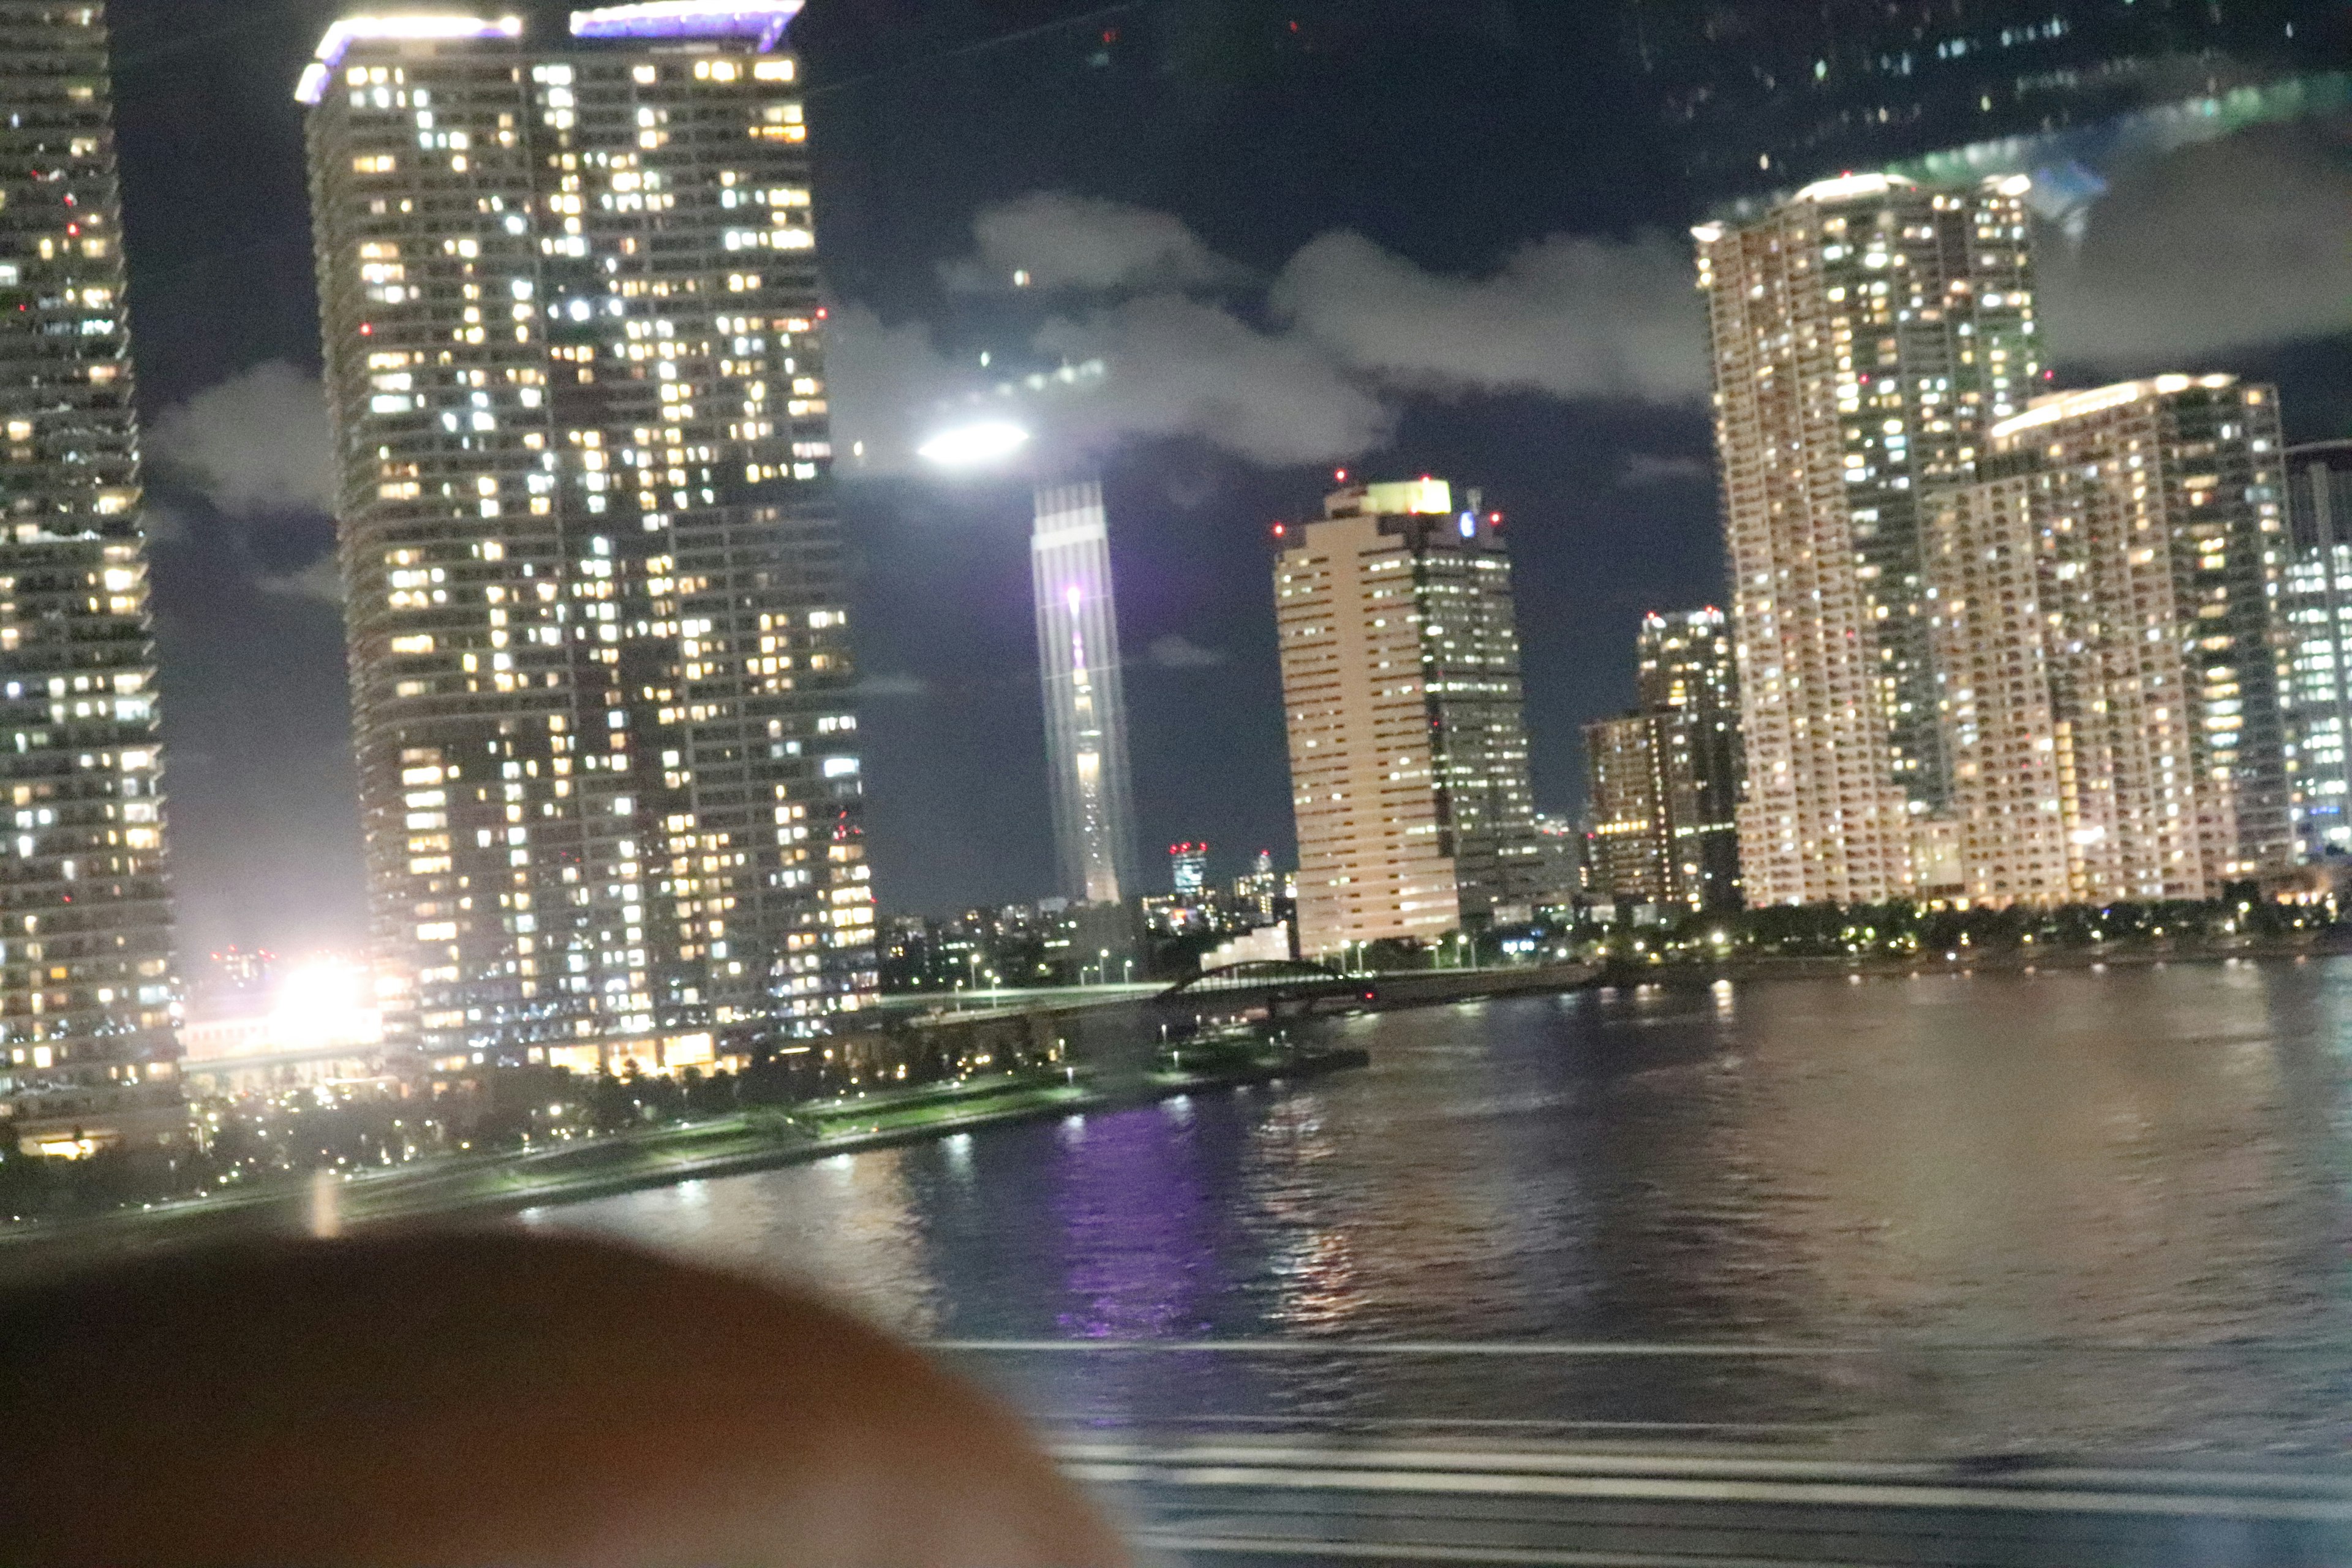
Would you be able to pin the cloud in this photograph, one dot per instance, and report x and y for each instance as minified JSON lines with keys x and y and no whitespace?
{"x":164,"y":525}
{"x":1567,"y":317}
{"x":257,"y":443}
{"x":889,"y":388}
{"x":1175,"y":366}
{"x":1056,"y":241}
{"x":1346,"y":334}
{"x":322,"y":580}
{"x":890,"y":688}
{"x":1177,"y":652}
{"x":2232,"y":244}
{"x":1643,"y":468}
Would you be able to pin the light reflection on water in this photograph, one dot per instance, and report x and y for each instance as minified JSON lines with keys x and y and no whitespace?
{"x":2134,"y":1156}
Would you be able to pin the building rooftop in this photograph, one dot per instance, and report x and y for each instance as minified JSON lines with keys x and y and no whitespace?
{"x":761,"y":22}
{"x":2051,"y":408}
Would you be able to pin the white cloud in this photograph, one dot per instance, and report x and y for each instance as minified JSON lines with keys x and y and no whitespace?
{"x":890,"y":688}
{"x":1176,"y":651}
{"x":890,"y":390}
{"x":2235,"y":243}
{"x":1566,"y":317}
{"x":1641,"y":469}
{"x":260,"y":442}
{"x":322,"y":580}
{"x":1353,"y":331}
{"x":1175,"y":366}
{"x":1053,"y":241}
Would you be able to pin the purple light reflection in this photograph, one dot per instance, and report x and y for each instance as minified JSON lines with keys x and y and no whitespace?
{"x":1139,"y":1228}
{"x":764,"y":20}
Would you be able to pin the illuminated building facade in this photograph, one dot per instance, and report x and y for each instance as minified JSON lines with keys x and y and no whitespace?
{"x":1188,"y":869}
{"x":1256,"y":895}
{"x":2110,"y":663}
{"x":1866,"y":334}
{"x":1086,"y":695}
{"x":86,"y":1031}
{"x":1407,"y":748}
{"x":600,"y":660}
{"x":1632,"y":831}
{"x":2315,"y":606}
{"x":1689,"y":674}
{"x":1765,"y":95}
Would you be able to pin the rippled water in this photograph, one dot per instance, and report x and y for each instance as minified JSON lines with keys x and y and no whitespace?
{"x":1914,"y":1174}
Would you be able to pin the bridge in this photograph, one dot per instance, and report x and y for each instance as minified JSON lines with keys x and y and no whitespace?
{"x":1272,"y":982}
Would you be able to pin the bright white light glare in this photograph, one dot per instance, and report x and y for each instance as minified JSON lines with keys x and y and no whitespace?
{"x":968,"y":446}
{"x":324,"y":1005}
{"x":341,"y":35}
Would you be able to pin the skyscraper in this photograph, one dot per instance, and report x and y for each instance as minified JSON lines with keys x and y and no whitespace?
{"x":1632,"y":829}
{"x":1188,"y":869}
{"x":2103,"y":620}
{"x":1407,"y":748}
{"x":600,"y":665}
{"x":1085,"y":695}
{"x":1866,"y":334}
{"x":1664,"y":781}
{"x":86,"y":1047}
{"x":2315,"y":607}
{"x":1688,"y":674}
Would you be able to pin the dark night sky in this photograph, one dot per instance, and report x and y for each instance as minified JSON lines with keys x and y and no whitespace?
{"x":1450,"y":133}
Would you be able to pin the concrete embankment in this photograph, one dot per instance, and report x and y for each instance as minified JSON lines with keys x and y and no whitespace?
{"x":1977,"y":961}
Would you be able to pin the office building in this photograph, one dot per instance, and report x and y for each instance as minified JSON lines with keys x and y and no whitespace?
{"x":1188,"y":869}
{"x":1408,"y":749}
{"x":600,"y":661}
{"x":2316,"y":608}
{"x":1762,"y":95}
{"x":1866,"y":334}
{"x":2106,"y":647}
{"x":1086,"y":695}
{"x":86,"y":1042}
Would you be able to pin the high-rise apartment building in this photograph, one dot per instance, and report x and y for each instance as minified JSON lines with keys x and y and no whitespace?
{"x":1408,"y":747}
{"x":600,"y":660}
{"x":1688,"y":671}
{"x":2110,"y":663}
{"x":1086,"y":693}
{"x":2316,"y":608}
{"x":1188,"y":869}
{"x":1866,"y":334}
{"x":1663,"y":782}
{"x":1562,"y":872}
{"x":87,"y":1050}
{"x":1763,"y":95}
{"x":1632,"y":829}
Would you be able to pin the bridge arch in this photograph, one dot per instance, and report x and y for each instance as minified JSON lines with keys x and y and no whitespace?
{"x":1262,"y":975}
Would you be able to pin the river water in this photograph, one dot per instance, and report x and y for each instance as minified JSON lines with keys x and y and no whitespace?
{"x":2082,"y":1212}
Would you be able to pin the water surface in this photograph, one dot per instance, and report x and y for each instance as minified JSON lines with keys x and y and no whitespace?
{"x":1939,"y":1181}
